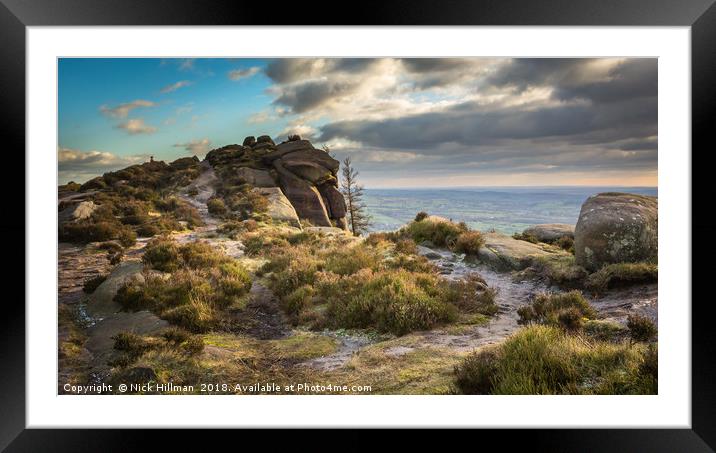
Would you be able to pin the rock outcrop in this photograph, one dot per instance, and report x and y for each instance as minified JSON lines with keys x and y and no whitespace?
{"x":308,"y":177}
{"x":616,"y":227}
{"x":550,"y":232}
{"x":503,"y":252}
{"x":81,"y":211}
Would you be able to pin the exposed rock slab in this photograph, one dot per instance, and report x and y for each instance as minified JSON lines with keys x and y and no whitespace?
{"x":616,"y":227}
{"x":279,"y":208}
{"x":549,"y":232}
{"x":81,"y":211}
{"x":506,"y":253}
{"x":101,"y":301}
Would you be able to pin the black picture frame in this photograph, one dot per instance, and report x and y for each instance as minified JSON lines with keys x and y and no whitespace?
{"x":700,"y":15}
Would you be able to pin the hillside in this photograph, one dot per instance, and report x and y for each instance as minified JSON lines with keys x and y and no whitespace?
{"x":239,"y":269}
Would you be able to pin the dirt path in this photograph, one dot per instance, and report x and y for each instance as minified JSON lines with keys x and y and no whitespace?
{"x":262,"y":317}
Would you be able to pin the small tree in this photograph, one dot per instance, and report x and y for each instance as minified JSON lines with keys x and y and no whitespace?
{"x":358,"y":219}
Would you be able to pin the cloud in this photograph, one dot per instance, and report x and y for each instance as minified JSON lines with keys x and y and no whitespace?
{"x":134,"y":126}
{"x":260,"y":117}
{"x":238,"y":74}
{"x":175,"y":86}
{"x":196,"y":147}
{"x":122,"y":110}
{"x":80,"y":165}
{"x":187,"y":64}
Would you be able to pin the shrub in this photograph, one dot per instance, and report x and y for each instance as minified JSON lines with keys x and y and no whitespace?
{"x":556,"y":308}
{"x":566,"y":243}
{"x":199,"y":255}
{"x":297,"y":301}
{"x":196,"y":316}
{"x":162,"y":254}
{"x":91,"y":284}
{"x":148,"y":230}
{"x":546,"y":360}
{"x":406,"y":246}
{"x":349,"y":261}
{"x":216,"y":206}
{"x":192,"y":192}
{"x":294,"y":137}
{"x":422,"y":215}
{"x":130,"y":343}
{"x":469,"y":242}
{"x":87,"y":231}
{"x":475,"y":374}
{"x":570,"y":318}
{"x":175,"y":335}
{"x":127,"y":237}
{"x":234,"y":281}
{"x":562,"y":270}
{"x":641,"y":328}
{"x":110,"y":246}
{"x":622,"y":274}
{"x":441,"y":233}
{"x":393,"y":301}
{"x":472,"y":295}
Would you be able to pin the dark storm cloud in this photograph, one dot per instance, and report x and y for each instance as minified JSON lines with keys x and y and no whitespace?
{"x":287,"y":70}
{"x":570,"y":78}
{"x":310,"y":95}
{"x":468,"y":124}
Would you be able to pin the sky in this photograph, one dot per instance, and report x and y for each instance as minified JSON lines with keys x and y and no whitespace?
{"x":426,"y":122}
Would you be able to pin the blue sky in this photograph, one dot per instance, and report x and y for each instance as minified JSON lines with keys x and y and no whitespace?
{"x":404,"y":122}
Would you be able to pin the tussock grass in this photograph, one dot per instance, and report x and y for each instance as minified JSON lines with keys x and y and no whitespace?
{"x":202,"y":282}
{"x":622,"y":274}
{"x":568,"y":310}
{"x":469,"y":242}
{"x":544,"y":360}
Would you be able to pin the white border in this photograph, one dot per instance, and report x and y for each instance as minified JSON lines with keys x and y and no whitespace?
{"x":671,"y":408}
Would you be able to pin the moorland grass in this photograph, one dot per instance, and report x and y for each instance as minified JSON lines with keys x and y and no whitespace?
{"x":545,"y":360}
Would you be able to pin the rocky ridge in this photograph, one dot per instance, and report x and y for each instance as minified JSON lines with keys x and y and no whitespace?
{"x":306,"y":176}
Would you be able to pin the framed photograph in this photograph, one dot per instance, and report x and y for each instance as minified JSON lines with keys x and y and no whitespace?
{"x":447,"y":216}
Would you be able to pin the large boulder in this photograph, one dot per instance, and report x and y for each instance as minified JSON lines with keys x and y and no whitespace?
{"x":250,"y":141}
{"x":550,"y":232}
{"x":616,"y":227}
{"x":265,"y":139}
{"x":279,"y":208}
{"x":257,"y":178}
{"x":304,"y":197}
{"x":317,"y":156}
{"x":309,"y":170}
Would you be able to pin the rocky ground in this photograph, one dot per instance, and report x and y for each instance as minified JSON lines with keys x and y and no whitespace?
{"x":415,"y":363}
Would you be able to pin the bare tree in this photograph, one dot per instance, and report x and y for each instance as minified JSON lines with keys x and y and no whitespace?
{"x":358,"y":218}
